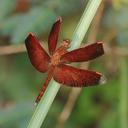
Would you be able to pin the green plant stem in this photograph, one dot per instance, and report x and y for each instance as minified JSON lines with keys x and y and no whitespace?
{"x":84,"y":23}
{"x":46,"y":101}
{"x":123,"y":107}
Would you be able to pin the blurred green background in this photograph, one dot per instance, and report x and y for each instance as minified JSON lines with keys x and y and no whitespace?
{"x":96,"y":107}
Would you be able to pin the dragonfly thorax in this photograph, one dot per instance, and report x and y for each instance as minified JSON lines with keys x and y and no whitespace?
{"x":55,"y":59}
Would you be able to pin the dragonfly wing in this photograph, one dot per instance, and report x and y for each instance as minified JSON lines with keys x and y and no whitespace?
{"x":75,"y":77}
{"x":37,"y":55}
{"x":53,"y":37}
{"x":84,"y":54}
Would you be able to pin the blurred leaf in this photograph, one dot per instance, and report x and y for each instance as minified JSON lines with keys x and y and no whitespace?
{"x":63,"y":7}
{"x":122,"y":37}
{"x":119,"y":3}
{"x":16,"y":82}
{"x":9,"y":25}
{"x":15,"y":114}
{"x":36,"y":21}
{"x":110,"y":120}
{"x":85,"y":112}
{"x":114,"y":18}
{"x":6,"y":7}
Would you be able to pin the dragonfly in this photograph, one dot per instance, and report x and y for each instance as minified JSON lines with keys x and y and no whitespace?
{"x":56,"y":63}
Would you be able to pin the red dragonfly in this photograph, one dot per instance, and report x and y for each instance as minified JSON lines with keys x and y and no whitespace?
{"x":56,"y":63}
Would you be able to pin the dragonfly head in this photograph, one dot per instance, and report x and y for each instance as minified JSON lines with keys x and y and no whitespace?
{"x":65,"y":43}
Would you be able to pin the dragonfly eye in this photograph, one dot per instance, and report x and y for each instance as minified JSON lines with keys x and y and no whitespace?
{"x":66,"y":43}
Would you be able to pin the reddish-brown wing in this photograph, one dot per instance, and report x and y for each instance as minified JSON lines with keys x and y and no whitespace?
{"x":53,"y":37}
{"x":38,"y":57}
{"x":75,"y":77}
{"x":84,"y":54}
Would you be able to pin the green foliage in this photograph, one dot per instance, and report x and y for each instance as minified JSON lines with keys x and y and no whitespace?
{"x":95,"y":103}
{"x":110,"y":118}
{"x":6,"y":7}
{"x":37,"y":19}
{"x":102,"y":106}
{"x":34,"y":21}
{"x":118,"y":19}
{"x":8,"y":25}
{"x":15,"y":114}
{"x":61,"y":7}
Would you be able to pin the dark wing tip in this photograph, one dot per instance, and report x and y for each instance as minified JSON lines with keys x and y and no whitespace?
{"x":102,"y":80}
{"x":59,"y":19}
{"x":29,"y":36}
{"x":101,"y":45}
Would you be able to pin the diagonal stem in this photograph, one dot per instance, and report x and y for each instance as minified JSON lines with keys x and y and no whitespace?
{"x":75,"y":92}
{"x":46,"y":101}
